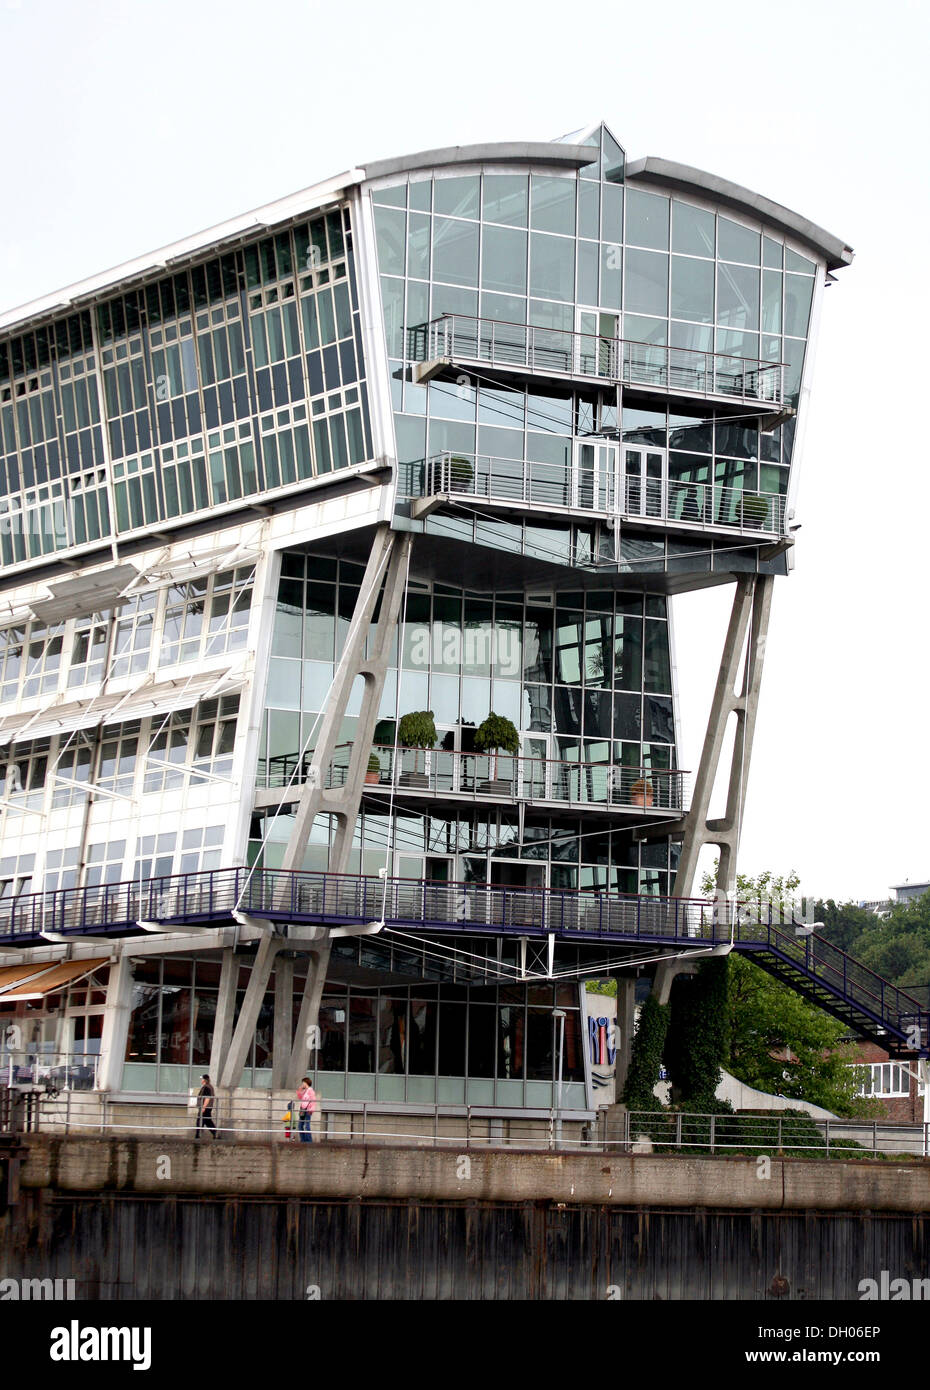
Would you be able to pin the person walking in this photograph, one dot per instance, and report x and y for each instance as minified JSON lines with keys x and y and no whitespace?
{"x":306,"y":1104}
{"x":206,"y":1097}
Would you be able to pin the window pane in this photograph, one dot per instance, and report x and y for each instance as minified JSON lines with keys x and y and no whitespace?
{"x":646,"y":219}
{"x":552,"y":205}
{"x":552,"y":267}
{"x":646,"y":283}
{"x":738,"y":296}
{"x":737,"y":243}
{"x":503,"y":265}
{"x":458,"y":197}
{"x":692,"y":289}
{"x":505,"y":199}
{"x":692,"y":229}
{"x":455,"y":251}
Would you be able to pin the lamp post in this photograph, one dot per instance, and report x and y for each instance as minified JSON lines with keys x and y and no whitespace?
{"x":560,"y":1015}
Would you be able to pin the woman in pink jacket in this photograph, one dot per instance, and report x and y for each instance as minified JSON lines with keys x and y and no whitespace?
{"x":306,"y":1104}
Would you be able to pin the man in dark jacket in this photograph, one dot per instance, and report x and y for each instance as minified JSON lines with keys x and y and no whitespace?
{"x":205,"y":1100}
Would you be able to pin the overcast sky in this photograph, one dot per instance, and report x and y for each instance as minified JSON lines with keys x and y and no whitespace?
{"x":130,"y":125}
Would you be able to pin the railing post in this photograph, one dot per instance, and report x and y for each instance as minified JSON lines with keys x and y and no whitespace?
{"x":779,"y":1134}
{"x":713,"y":1120}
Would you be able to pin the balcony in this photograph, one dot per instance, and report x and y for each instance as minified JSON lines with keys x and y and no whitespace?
{"x":460,"y":340}
{"x":488,"y":777}
{"x":608,"y":488}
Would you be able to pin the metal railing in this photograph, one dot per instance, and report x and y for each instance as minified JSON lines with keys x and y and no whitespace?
{"x":492,"y":775}
{"x":667,"y":1133}
{"x":689,"y":371}
{"x":210,"y":896}
{"x":570,"y":487}
{"x":57,"y":1071}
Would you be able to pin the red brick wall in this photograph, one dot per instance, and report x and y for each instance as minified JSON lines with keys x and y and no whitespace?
{"x":899,"y":1110}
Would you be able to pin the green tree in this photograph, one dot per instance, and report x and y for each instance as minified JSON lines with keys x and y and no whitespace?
{"x":697,"y":1044}
{"x":780,"y":1043}
{"x":646,"y":1056}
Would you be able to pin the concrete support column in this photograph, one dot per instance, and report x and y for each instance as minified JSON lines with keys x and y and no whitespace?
{"x":244,"y":1031}
{"x":115,"y":1025}
{"x":666,"y":971}
{"x":306,"y":1042}
{"x":752,"y":604}
{"x":225,"y":1011}
{"x":283,"y":1021}
{"x":626,"y":1011}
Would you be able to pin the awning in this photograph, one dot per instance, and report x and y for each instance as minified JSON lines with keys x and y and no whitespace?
{"x":11,"y":975}
{"x":151,"y":698}
{"x":85,"y":593}
{"x":56,"y":977}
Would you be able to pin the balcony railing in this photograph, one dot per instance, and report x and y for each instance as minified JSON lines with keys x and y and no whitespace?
{"x":608,"y":492}
{"x":689,"y":371}
{"x":489,"y":775}
{"x":58,"y":1071}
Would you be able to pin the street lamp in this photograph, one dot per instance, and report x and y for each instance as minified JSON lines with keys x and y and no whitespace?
{"x":560,"y":1015}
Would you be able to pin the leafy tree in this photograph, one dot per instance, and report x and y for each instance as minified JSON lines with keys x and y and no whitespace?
{"x":498,"y":735}
{"x":698,"y":1039}
{"x":780,"y":1043}
{"x":608,"y":987}
{"x":646,"y":1056}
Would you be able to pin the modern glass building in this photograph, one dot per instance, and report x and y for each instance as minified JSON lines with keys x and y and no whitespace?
{"x":442,"y":436}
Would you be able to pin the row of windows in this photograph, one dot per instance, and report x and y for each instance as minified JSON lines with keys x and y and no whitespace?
{"x":145,"y":756}
{"x":190,"y":621}
{"x":174,"y":364}
{"x":566,"y":854}
{"x":560,"y":205}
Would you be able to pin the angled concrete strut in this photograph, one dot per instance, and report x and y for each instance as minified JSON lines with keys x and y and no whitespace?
{"x":385,"y":575}
{"x":752,"y":604}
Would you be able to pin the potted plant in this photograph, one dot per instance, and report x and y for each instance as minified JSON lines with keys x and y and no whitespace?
{"x":373,"y":775}
{"x":754,"y":508}
{"x":641,"y":792}
{"x":497,"y":735}
{"x":461,"y":474}
{"x":416,"y":730}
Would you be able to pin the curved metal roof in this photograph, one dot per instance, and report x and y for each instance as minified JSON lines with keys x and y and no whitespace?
{"x":513,"y":152}
{"x":682,"y":176}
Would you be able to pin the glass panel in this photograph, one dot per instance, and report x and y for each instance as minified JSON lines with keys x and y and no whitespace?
{"x":390,"y":228}
{"x":692,"y":289}
{"x":552,"y":204}
{"x":505,"y":199}
{"x":455,"y":251}
{"x":646,"y":219}
{"x":737,"y":243}
{"x":738,"y":296}
{"x":646,"y":283}
{"x":503,"y":263}
{"x":457,"y":196}
{"x":692,"y":229}
{"x":552,"y":267}
{"x":799,"y":290}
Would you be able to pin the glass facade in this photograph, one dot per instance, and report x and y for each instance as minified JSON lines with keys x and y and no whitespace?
{"x":584,"y":677}
{"x":241,"y":376}
{"x":584,"y":254}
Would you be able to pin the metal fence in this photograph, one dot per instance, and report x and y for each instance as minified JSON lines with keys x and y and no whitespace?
{"x":484,"y":478}
{"x":252,"y":1118}
{"x":462,"y":338}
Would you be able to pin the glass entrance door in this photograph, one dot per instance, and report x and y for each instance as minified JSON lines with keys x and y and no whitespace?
{"x":644,"y":482}
{"x":594,"y":477}
{"x":596,"y":343}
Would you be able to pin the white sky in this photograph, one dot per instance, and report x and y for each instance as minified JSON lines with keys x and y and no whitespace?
{"x":130,"y":125}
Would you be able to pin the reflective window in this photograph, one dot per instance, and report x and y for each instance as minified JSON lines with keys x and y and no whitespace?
{"x":646,"y":219}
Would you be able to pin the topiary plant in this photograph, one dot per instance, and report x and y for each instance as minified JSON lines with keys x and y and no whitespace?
{"x":417,"y":730}
{"x":461,"y":473}
{"x":498,"y":735}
